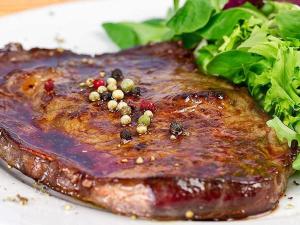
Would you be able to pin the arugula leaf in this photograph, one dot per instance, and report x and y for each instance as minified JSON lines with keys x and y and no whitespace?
{"x":223,"y":23}
{"x":232,"y":64}
{"x":194,"y":15}
{"x":127,"y":35}
{"x":289,"y":23}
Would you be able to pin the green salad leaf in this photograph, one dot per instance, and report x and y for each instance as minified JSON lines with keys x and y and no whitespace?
{"x":289,"y":23}
{"x":128,"y":34}
{"x":192,"y":16}
{"x":223,"y":23}
{"x":122,"y":35}
{"x":232,"y":64}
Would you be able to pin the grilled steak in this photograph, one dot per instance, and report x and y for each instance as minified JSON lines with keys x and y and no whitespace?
{"x":228,"y":164}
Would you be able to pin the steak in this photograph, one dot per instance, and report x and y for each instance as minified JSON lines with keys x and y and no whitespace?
{"x":228,"y":164}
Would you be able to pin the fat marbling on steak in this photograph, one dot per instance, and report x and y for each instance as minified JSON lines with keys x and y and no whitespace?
{"x":229,"y":166}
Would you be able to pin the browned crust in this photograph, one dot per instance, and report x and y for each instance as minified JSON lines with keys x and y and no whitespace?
{"x":216,"y":199}
{"x":169,"y":195}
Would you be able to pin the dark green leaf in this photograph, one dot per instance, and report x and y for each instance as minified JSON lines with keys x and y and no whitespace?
{"x":121,"y":34}
{"x":232,"y":64}
{"x":192,"y":16}
{"x":191,"y":40}
{"x":127,"y":35}
{"x":224,"y":23}
{"x":289,"y":23}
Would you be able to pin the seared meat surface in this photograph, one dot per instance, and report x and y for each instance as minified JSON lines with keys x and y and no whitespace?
{"x":229,"y":165}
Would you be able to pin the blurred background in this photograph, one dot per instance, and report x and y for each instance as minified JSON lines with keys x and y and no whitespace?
{"x":11,"y":6}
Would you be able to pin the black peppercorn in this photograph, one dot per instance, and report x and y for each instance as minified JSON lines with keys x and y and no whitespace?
{"x":106,"y":96}
{"x":126,"y":135}
{"x":136,"y":91}
{"x":117,"y":74}
{"x":176,"y":128}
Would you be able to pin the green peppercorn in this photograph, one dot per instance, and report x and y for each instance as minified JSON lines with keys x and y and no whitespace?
{"x":125,"y":120}
{"x":82,"y":85}
{"x":112,"y":87}
{"x":141,"y":129}
{"x":148,"y":113}
{"x":125,"y":110}
{"x":118,"y":94}
{"x":90,"y":82}
{"x":144,"y":120}
{"x":111,"y":81}
{"x":121,"y":105}
{"x":112,"y":105}
{"x":101,"y":89}
{"x":127,"y":85}
{"x":94,"y":96}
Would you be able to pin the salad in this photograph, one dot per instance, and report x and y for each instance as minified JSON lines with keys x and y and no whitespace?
{"x":252,"y":43}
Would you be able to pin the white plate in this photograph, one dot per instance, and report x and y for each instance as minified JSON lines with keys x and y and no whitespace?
{"x":79,"y":25}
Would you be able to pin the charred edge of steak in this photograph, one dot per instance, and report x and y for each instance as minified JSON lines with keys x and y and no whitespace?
{"x":150,"y":197}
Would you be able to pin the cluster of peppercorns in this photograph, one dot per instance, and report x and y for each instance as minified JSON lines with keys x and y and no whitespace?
{"x":114,"y":90}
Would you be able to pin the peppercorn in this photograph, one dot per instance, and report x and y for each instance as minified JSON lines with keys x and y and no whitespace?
{"x":94,"y":96}
{"x":118,"y":94}
{"x":125,"y":120}
{"x":139,"y":160}
{"x":125,"y":110}
{"x":127,"y":85}
{"x":90,"y":82}
{"x":49,"y":85}
{"x":112,"y":105}
{"x":147,"y":105}
{"x":112,"y":87}
{"x":176,"y":128}
{"x":106,"y":96}
{"x":111,"y":81}
{"x":144,"y":120}
{"x":97,"y":83}
{"x":82,"y":85}
{"x":117,"y":74}
{"x":148,"y":113}
{"x":126,"y":135}
{"x":141,"y":129}
{"x":101,"y":89}
{"x":136,"y":91}
{"x":189,"y":214}
{"x":121,"y":105}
